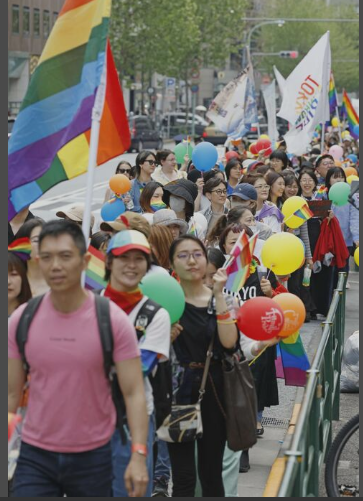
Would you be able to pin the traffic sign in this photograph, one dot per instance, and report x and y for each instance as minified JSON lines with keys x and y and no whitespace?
{"x":221,"y":75}
{"x":194,"y":88}
{"x":151,"y":91}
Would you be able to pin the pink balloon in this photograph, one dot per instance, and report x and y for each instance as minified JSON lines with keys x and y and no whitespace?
{"x":336,"y":152}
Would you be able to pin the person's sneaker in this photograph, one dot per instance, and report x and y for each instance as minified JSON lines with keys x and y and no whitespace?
{"x":244,"y":464}
{"x":347,"y":285}
{"x":161,"y":489}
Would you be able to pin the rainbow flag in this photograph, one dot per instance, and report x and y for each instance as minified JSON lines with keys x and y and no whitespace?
{"x":333,"y":101}
{"x":238,"y":270}
{"x":50,"y":141}
{"x":21,"y":247}
{"x":349,"y":112}
{"x":292,"y":361}
{"x":95,"y":272}
{"x":193,"y":228}
{"x":321,"y":193}
{"x":304,"y":213}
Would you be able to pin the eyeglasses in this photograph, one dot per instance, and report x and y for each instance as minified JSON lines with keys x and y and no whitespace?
{"x":326,"y":164}
{"x":185,"y":256}
{"x":123,"y":171}
{"x":263,"y":187}
{"x":151,"y":162}
{"x":307,"y":181}
{"x":219,"y":192}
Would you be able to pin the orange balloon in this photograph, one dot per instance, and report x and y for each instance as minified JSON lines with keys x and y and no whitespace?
{"x":120,"y":184}
{"x":338,"y":163}
{"x":294,"y":313}
{"x":351,"y":171}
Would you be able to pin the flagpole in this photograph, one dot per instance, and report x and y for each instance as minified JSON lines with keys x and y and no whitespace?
{"x":339,"y":125}
{"x":325,"y":101}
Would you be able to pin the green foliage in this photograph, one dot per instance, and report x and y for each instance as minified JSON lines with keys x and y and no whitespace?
{"x":344,"y":38}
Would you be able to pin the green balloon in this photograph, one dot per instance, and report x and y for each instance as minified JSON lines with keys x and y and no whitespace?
{"x":166,"y":291}
{"x":181,"y":150}
{"x":339,"y":194}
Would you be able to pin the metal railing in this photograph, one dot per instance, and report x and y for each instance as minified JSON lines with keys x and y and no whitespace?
{"x":320,"y":406}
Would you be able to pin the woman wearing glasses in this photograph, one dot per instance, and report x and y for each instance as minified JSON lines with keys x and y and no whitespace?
{"x":145,"y":168}
{"x":125,"y":169}
{"x":216,"y":192}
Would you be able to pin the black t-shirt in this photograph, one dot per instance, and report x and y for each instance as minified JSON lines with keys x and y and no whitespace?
{"x":252,"y":287}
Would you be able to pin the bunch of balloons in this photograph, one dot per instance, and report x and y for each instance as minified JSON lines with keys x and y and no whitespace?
{"x":113,"y":208}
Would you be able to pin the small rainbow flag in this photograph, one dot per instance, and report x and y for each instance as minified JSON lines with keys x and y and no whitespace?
{"x":193,"y":229}
{"x":350,"y":113}
{"x":304,"y":213}
{"x":321,"y":193}
{"x":292,"y":361}
{"x":96,"y":270}
{"x":238,"y":270}
{"x":21,"y":247}
{"x":333,"y":102}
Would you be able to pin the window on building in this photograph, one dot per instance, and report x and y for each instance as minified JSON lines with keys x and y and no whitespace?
{"x":15,"y":26}
{"x":55,"y":16}
{"x":46,"y":23}
{"x":26,"y":20}
{"x":36,"y":22}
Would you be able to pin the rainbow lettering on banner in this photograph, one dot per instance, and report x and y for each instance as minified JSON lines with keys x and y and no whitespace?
{"x":351,"y":114}
{"x":50,"y":141}
{"x":95,"y":272}
{"x":333,"y":102}
{"x":304,"y":213}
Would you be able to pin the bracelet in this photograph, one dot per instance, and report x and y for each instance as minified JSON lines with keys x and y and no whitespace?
{"x":139,"y":449}
{"x":229,"y":322}
{"x":222,"y":313}
{"x":224,"y":316}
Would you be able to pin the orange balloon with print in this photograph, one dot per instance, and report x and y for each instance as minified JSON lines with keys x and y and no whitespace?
{"x":120,"y":184}
{"x":350,"y":171}
{"x":294,"y":313}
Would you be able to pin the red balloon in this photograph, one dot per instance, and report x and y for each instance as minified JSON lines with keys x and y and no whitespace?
{"x":253,"y":149}
{"x":260,"y":318}
{"x":268,"y":152}
{"x":231,"y":154}
{"x":263,"y":144}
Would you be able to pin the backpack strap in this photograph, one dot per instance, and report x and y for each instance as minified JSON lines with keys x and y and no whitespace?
{"x":145,"y":316}
{"x":22,"y":329}
{"x":105,"y":329}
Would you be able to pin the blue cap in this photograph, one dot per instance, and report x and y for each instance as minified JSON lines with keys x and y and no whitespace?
{"x":245,"y":191}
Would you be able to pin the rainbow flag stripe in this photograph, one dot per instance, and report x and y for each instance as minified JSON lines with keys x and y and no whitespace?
{"x":51,"y":136}
{"x":333,"y":102}
{"x":321,"y":193}
{"x":238,"y":270}
{"x":304,"y":213}
{"x":21,"y":247}
{"x":292,"y":361}
{"x":350,"y":113}
{"x":96,"y":270}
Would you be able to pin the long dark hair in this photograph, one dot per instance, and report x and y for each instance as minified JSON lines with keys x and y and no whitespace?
{"x":229,"y":166}
{"x":15,"y":263}
{"x":178,"y":241}
{"x":280,"y":155}
{"x":310,"y":173}
{"x":334,"y":172}
{"x":271,"y":178}
{"x":147,"y":194}
{"x":163,"y":155}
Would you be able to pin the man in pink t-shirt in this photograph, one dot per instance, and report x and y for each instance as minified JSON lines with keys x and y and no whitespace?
{"x":71,"y":418}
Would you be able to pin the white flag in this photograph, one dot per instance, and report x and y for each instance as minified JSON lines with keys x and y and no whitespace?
{"x":306,"y":103}
{"x":234,"y":109}
{"x":269,"y":95}
{"x":281,"y":82}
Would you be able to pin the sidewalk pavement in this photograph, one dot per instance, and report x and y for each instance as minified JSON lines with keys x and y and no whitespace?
{"x":276,"y":420}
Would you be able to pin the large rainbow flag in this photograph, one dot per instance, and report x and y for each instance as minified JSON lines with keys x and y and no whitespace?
{"x":351,"y":114}
{"x":292,"y":361}
{"x":50,"y":141}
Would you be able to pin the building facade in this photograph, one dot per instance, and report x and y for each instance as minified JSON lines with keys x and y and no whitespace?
{"x":29,"y":25}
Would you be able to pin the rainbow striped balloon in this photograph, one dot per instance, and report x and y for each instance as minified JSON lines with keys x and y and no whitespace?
{"x":51,"y":137}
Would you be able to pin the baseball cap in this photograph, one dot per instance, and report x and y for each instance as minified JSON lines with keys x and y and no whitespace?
{"x":75,"y":214}
{"x":167,"y":217}
{"x":245,"y":192}
{"x":128,"y":220}
{"x":127,"y":240}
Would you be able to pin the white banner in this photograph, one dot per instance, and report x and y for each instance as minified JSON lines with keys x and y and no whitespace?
{"x":234,"y":109}
{"x":281,"y":82}
{"x":269,"y":95}
{"x":305,"y":104}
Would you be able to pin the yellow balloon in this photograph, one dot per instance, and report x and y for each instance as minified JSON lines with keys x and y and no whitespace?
{"x":265,"y":136}
{"x":352,"y":178}
{"x":345,"y":133}
{"x":356,"y":256}
{"x":291,"y":205}
{"x":291,"y":339}
{"x":283,"y":253}
{"x":335,"y":122}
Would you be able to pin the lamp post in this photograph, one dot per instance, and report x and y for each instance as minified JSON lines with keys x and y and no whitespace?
{"x":279,"y":22}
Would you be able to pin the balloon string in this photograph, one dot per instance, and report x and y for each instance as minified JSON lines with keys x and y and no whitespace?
{"x":262,"y":351}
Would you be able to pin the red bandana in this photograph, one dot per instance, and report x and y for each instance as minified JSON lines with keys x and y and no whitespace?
{"x":125,"y":300}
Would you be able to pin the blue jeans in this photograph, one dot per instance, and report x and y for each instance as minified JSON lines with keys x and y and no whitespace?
{"x":42,"y":473}
{"x":121,"y":455}
{"x":162,"y":466}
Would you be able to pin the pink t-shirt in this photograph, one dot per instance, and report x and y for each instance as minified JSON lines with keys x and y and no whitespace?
{"x":70,"y":406}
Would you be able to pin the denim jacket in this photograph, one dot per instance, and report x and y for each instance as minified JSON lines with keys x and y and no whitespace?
{"x":135,"y":192}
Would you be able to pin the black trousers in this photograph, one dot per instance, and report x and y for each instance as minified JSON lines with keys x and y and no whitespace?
{"x":210,"y":451}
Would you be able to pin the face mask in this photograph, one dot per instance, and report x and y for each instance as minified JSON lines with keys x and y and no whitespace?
{"x":157,"y":205}
{"x":177,"y":204}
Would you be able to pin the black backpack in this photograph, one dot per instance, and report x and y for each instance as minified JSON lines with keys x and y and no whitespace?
{"x":161,"y":382}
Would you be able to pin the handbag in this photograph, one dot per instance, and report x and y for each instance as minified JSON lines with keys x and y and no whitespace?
{"x":240,"y":404}
{"x":184,"y":423}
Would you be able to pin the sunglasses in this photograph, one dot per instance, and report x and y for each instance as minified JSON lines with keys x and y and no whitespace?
{"x":123,"y":171}
{"x":151,"y":162}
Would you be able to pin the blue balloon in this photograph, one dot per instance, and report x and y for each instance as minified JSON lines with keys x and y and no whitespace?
{"x":112,"y":209}
{"x":204,"y":156}
{"x":356,"y":130}
{"x":353,"y":158}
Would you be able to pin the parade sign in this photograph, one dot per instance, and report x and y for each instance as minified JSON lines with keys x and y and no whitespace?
{"x":305,"y":104}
